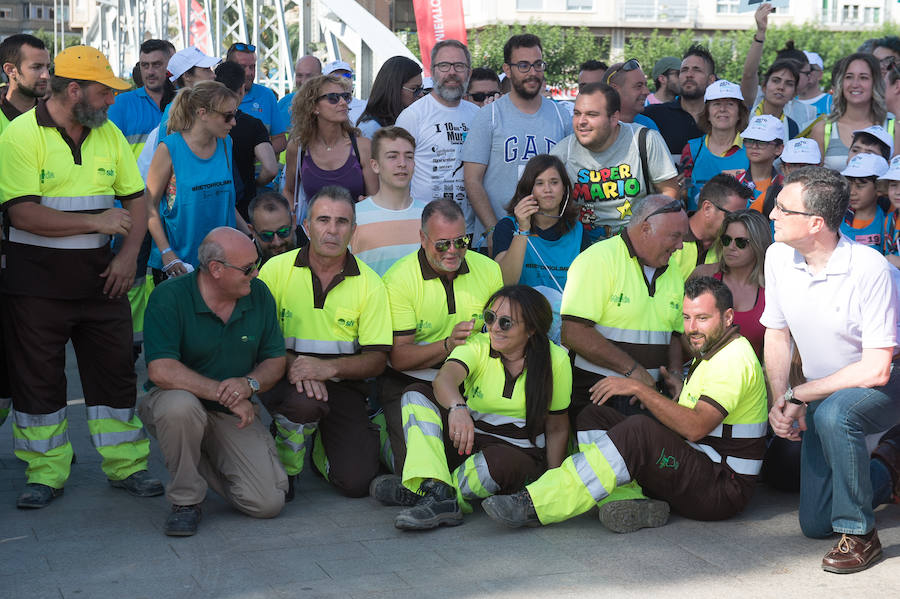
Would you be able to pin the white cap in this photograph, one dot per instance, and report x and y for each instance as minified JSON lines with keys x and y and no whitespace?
{"x":764,"y":127}
{"x":723,"y":89}
{"x":184,"y":60}
{"x":893,"y":173}
{"x":427,"y":83}
{"x":801,"y":151}
{"x":865,"y":165}
{"x":336,"y":65}
{"x":879,"y":133}
{"x":814,"y":59}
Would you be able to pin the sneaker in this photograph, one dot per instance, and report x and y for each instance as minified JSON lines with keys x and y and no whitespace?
{"x":140,"y":484}
{"x":853,"y":553}
{"x":514,"y":510}
{"x":389,"y":490}
{"x":35,"y":496}
{"x":436,"y":507}
{"x":182,"y":521}
{"x":629,"y":515}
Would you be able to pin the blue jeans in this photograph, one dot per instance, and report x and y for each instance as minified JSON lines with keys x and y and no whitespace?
{"x":840,"y":485}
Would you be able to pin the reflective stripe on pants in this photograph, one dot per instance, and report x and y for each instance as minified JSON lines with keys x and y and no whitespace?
{"x":42,"y":441}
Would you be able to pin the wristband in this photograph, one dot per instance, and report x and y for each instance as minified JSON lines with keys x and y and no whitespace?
{"x":633,"y":366}
{"x":458,"y":406}
{"x":161,"y":252}
{"x":757,"y":40}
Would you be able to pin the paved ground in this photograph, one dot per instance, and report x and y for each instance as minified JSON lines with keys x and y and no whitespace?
{"x":97,"y":542}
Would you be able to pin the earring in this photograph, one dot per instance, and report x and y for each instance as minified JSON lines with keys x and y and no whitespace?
{"x":317,"y":113}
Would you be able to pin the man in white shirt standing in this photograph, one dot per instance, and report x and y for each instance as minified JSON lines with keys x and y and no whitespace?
{"x":440,"y":123}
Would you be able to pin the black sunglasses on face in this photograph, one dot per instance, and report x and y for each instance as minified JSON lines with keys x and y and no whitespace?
{"x":740,"y":242}
{"x":268,"y":236}
{"x":460,"y":243}
{"x":628,"y":65}
{"x":482,"y":96}
{"x":504,"y":322}
{"x":228,"y":116}
{"x":240,"y":47}
{"x":246,"y":270}
{"x":335,"y":97}
{"x":671,"y":207}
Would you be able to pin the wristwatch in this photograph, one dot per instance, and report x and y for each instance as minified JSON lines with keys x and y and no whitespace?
{"x":789,"y":397}
{"x":254,"y":385}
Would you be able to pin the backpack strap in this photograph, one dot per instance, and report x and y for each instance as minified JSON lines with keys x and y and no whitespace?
{"x":642,"y":150}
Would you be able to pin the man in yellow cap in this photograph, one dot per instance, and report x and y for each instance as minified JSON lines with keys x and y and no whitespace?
{"x":62,"y":166}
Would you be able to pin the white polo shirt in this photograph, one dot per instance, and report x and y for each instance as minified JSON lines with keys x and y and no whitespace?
{"x":835,"y":313}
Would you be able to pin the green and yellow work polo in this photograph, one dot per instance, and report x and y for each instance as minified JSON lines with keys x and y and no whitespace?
{"x":40,"y":163}
{"x":8,"y":112}
{"x":691,"y":255}
{"x":607,"y":288}
{"x":349,"y":316}
{"x":427,"y":305}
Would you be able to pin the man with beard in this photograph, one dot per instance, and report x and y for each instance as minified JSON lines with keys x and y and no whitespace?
{"x":677,"y":119}
{"x":440,"y":122}
{"x":62,"y":166}
{"x":507,"y":133}
{"x":270,"y":225}
{"x":26,"y":63}
{"x":701,"y":454}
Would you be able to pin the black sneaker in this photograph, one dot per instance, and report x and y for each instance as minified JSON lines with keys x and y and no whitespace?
{"x":514,"y":510}
{"x":140,"y":484}
{"x":629,"y":515}
{"x":35,"y":496}
{"x":436,"y":507}
{"x":389,"y":490}
{"x":182,"y":521}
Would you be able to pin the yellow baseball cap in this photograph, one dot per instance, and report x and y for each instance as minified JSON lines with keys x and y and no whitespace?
{"x":87,"y":64}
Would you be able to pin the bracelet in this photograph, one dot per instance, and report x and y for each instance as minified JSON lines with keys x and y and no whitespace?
{"x":633,"y":366}
{"x":446,"y":351}
{"x":161,"y":252}
{"x":798,"y":402}
{"x":757,"y":40}
{"x":525,"y":233}
{"x":458,"y":406}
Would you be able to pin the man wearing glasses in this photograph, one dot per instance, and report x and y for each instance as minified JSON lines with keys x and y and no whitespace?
{"x":270,"y":225}
{"x":437,"y":295}
{"x":212,"y":343}
{"x":836,"y":301}
{"x":259,"y":101}
{"x":507,"y":133}
{"x":334,"y":316}
{"x":484,"y":86}
{"x":440,"y":122}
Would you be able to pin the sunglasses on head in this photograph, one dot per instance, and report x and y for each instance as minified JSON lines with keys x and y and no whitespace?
{"x":335,"y":97}
{"x":240,"y":47}
{"x":504,"y":322}
{"x":628,"y":65}
{"x":482,"y":96}
{"x":671,"y":207}
{"x":460,"y":243}
{"x":246,"y":270}
{"x":740,"y":242}
{"x":283,"y":233}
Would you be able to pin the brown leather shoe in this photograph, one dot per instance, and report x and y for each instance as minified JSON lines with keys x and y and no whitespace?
{"x":888,"y":451}
{"x":853,"y":553}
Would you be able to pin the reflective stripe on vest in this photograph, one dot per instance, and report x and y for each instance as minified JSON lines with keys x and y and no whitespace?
{"x":423,"y":374}
{"x":739,"y":465}
{"x":625,"y":336}
{"x":88,"y":241}
{"x":497,"y":419}
{"x":591,"y":367}
{"x":319,"y":346}
{"x":742,"y":431}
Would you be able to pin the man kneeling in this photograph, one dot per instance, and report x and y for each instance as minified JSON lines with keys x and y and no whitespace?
{"x":701,"y":456}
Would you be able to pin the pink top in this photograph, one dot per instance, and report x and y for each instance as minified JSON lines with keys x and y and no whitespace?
{"x":749,"y":321}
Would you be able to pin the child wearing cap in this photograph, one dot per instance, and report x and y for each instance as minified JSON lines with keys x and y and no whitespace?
{"x":763,"y":141}
{"x":871,"y":140}
{"x":891,"y":224}
{"x":865,"y":220}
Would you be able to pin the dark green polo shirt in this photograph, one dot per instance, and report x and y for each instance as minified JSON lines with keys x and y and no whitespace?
{"x":179,"y":325}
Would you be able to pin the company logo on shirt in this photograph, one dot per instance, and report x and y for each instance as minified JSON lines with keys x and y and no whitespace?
{"x":106,"y":171}
{"x":422,"y":325}
{"x":476,"y":393}
{"x":511,"y":148}
{"x":619,"y":298}
{"x":456,"y":134}
{"x":607,"y":184}
{"x":46,"y":175}
{"x":346,"y":322}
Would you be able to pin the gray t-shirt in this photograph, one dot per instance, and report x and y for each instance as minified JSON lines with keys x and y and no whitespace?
{"x":505,"y":139}
{"x":605,"y":184}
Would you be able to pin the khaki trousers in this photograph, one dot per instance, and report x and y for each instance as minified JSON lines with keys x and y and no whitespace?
{"x":206,"y":449}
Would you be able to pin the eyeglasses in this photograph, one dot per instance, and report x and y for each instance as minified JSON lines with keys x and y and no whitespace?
{"x":740,"y":242}
{"x":444,"y":67}
{"x":268,"y":236}
{"x":482,"y":96}
{"x":628,"y":65}
{"x":524,"y":66}
{"x":671,"y":207}
{"x":504,"y":322}
{"x":887,"y":61}
{"x":417,"y":91}
{"x":460,"y":243}
{"x":246,"y":270}
{"x":228,"y":116}
{"x":335,"y":97}
{"x":755,"y":143}
{"x":243,"y":47}
{"x":787,"y":212}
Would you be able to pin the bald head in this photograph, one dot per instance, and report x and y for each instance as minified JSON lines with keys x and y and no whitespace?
{"x":307,"y":67}
{"x":223,"y":244}
{"x":657,"y":227}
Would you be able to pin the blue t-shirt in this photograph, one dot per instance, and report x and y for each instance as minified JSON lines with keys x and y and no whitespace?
{"x":199,"y":198}
{"x":136,"y":114}
{"x":872,"y":235}
{"x":260,"y":102}
{"x":504,"y":138}
{"x":646,"y":121}
{"x":284,"y":108}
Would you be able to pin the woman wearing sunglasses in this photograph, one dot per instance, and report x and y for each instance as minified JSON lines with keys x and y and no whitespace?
{"x":508,"y":426}
{"x":324,"y":148}
{"x":192,"y":170}
{"x":397,"y":85}
{"x":742,"y":245}
{"x":541,"y":234}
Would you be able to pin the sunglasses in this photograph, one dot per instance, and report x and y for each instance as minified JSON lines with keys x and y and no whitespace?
{"x":482,"y":96}
{"x":246,"y":270}
{"x":524,"y":66}
{"x":243,"y":47}
{"x":740,"y":242}
{"x":418,"y":91}
{"x":671,"y":207}
{"x":228,"y":116}
{"x":504,"y":322}
{"x":460,"y":243}
{"x":628,"y":65}
{"x":268,"y":236}
{"x":335,"y":97}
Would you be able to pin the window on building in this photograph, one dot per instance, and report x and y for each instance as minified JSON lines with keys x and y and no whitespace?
{"x":40,"y":12}
{"x":529,"y":4}
{"x":876,"y":15}
{"x":727,"y":6}
{"x":579,"y":4}
{"x":855,"y":13}
{"x":6,"y":12}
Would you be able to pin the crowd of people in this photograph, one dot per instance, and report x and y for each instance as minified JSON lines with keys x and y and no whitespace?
{"x":461,"y":291}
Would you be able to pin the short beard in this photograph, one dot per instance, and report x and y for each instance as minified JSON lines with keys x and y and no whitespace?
{"x":519,"y":86}
{"x":89,"y":117}
{"x":694,"y":95}
{"x":31,"y":92}
{"x":451,"y":95}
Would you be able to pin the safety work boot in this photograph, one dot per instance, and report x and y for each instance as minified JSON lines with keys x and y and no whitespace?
{"x":183,"y":520}
{"x":140,"y":484}
{"x":35,"y":496}
{"x":629,"y":515}
{"x":514,"y":510}
{"x":437,"y":506}
{"x":389,"y":490}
